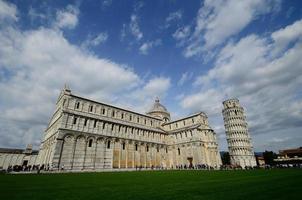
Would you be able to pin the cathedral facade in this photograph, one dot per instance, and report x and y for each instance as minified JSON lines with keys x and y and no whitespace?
{"x":87,"y":135}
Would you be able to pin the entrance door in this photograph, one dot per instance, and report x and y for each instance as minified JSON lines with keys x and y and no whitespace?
{"x":25,"y":163}
{"x":190,"y":159}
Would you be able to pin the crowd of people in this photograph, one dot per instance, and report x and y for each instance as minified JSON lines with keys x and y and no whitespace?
{"x":179,"y":167}
{"x":28,"y":168}
{"x":38,"y":168}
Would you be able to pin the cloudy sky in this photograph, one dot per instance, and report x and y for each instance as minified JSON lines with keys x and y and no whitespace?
{"x":192,"y":54}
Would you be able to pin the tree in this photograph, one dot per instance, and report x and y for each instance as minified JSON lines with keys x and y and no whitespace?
{"x":269,"y":157}
{"x":225,"y":158}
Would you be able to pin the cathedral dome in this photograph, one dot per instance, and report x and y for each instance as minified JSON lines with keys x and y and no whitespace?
{"x":159,"y":111}
{"x":158,"y":107}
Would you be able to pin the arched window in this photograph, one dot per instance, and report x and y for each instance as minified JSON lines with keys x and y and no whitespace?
{"x":104,"y":125}
{"x":113,"y":113}
{"x":75,"y":120}
{"x":103,"y":111}
{"x":147,"y":148}
{"x":77,"y":105}
{"x":122,"y":116}
{"x":130,"y":117}
{"x":178,"y":151}
{"x":94,"y":125}
{"x":85,"y":122}
{"x":135,"y":147}
{"x":90,"y":143}
{"x":90,"y":108}
{"x":124,"y":146}
{"x":108,"y":144}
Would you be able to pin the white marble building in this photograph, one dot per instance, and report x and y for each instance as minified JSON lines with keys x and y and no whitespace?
{"x":87,"y":135}
{"x":238,"y":137}
{"x":21,"y":157}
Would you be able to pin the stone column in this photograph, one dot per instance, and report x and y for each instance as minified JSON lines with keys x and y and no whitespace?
{"x":73,"y":153}
{"x":85,"y":153}
{"x":95,"y":150}
{"x":134,"y":155}
{"x":57,"y":153}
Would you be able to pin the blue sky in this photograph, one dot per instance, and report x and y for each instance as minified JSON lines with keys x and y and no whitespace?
{"x":192,"y":54}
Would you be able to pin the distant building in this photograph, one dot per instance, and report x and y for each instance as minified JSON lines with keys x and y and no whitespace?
{"x":289,"y":156}
{"x":260,"y":161}
{"x":12,"y":157}
{"x":238,"y":137}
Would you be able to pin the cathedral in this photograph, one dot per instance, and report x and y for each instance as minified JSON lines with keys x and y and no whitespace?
{"x":84,"y":134}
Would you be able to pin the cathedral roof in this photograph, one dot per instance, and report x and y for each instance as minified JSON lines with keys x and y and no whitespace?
{"x":158,"y":107}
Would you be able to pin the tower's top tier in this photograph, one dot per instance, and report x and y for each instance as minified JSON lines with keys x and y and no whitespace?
{"x":231,"y":103}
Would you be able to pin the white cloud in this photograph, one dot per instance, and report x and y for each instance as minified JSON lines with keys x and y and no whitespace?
{"x":96,"y":40}
{"x":134,"y":27}
{"x":184,"y":78}
{"x":67,"y":18}
{"x":34,"y":14}
{"x":7,"y":11}
{"x":215,"y":24}
{"x":174,"y":16}
{"x":146,"y":46}
{"x":208,"y":101}
{"x":157,"y":86}
{"x":144,"y":96}
{"x":106,"y":3}
{"x":123,"y":32}
{"x":138,"y":5}
{"x":285,"y":36}
{"x":267,"y":85}
{"x":182,"y":34}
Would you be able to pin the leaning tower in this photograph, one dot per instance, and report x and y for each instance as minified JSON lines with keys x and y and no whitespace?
{"x":238,"y":138}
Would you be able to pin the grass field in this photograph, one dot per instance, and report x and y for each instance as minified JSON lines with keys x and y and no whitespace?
{"x":258,"y":184}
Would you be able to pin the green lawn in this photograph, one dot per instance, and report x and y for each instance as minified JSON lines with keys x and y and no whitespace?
{"x":258,"y":184}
